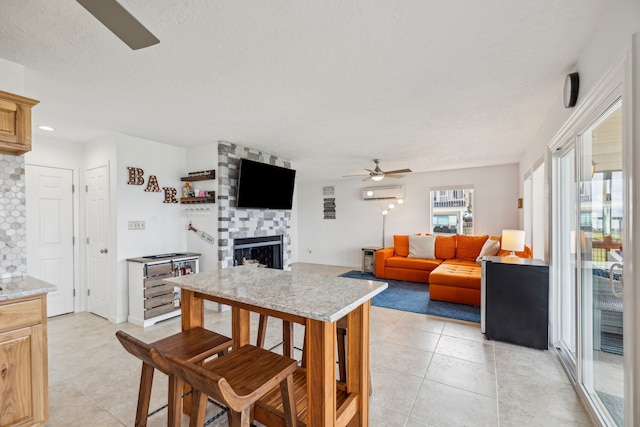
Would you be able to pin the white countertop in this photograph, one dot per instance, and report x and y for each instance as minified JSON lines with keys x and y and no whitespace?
{"x":323,"y":298}
{"x":19,"y":287}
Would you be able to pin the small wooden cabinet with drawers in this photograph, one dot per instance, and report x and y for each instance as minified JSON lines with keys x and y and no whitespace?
{"x":23,"y":362}
{"x":15,"y":123}
{"x":150,"y":299}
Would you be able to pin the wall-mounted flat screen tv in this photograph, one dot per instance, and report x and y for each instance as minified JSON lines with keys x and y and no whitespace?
{"x":265,"y":186}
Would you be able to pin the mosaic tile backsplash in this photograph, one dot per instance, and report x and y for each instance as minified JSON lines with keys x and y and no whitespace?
{"x":13,"y":229}
{"x":236,"y":223}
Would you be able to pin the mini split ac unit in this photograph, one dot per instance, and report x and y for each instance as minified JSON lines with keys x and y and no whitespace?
{"x":383,"y":193}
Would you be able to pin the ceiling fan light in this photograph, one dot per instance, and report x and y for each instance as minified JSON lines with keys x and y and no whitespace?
{"x":377,"y":177}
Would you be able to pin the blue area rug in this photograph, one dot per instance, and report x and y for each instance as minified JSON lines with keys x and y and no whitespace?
{"x":414,"y":297}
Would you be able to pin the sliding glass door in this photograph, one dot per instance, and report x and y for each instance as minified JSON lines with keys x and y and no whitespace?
{"x":589,"y":211}
{"x":601,"y":258}
{"x":568,"y":247}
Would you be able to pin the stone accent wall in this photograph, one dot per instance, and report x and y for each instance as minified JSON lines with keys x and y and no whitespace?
{"x":241,"y":223}
{"x":13,"y":227}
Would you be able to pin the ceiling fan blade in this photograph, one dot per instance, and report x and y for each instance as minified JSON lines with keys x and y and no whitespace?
{"x":398,"y":171}
{"x":120,"y":22}
{"x":386,"y":175}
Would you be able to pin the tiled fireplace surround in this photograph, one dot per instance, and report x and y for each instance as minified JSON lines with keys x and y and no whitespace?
{"x":234,"y":223}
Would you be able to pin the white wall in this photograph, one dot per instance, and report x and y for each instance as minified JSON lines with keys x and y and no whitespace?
{"x":604,"y":49}
{"x":11,"y":77}
{"x":165,"y":228}
{"x":200,"y":158}
{"x":358,"y":223}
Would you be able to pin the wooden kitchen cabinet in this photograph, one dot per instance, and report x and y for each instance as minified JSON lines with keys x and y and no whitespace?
{"x":23,"y":362}
{"x":15,"y":123}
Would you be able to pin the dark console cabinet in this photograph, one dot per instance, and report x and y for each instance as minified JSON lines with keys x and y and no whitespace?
{"x":516,"y":301}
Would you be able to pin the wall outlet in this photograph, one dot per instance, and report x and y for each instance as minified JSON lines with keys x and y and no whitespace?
{"x":136,"y":225}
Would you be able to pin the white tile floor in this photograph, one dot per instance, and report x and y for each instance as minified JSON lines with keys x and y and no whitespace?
{"x":426,"y":371}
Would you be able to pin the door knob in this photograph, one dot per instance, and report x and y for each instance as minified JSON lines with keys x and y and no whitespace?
{"x":104,"y":251}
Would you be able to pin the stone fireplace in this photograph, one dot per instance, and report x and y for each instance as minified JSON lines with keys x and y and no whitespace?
{"x":234,"y":223}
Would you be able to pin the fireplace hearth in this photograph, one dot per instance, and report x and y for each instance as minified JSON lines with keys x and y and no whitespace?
{"x":258,"y":251}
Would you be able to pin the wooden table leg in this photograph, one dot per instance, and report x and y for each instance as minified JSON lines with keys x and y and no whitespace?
{"x":287,"y":338}
{"x":192,"y":308}
{"x":321,"y":373}
{"x":358,"y":361}
{"x":240,"y":327}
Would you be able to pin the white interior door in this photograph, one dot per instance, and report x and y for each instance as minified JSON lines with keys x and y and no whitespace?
{"x":49,"y":216}
{"x":97,"y":241}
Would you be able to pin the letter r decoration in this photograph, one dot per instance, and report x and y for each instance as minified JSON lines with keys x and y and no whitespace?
{"x":170,"y":195}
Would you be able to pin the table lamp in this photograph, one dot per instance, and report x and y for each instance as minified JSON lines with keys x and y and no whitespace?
{"x":513,"y":240}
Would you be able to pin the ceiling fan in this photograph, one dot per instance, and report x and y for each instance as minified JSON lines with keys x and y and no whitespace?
{"x":120,"y":22}
{"x":378,"y":174}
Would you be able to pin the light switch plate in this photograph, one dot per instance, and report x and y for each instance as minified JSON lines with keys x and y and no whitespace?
{"x":136,"y":225}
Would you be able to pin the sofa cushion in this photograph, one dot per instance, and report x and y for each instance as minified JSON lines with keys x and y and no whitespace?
{"x":445,"y":247}
{"x":490,"y":248}
{"x":422,"y":247}
{"x":412,"y":263}
{"x":401,"y":245}
{"x":458,"y":273}
{"x":468,"y":247}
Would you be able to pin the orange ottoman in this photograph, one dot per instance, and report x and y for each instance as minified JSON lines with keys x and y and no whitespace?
{"x":456,"y":281}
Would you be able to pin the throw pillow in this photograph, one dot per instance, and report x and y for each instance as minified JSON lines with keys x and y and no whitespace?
{"x":468,"y":247}
{"x":401,"y":245}
{"x":445,"y":247}
{"x":422,"y":247}
{"x":490,"y":248}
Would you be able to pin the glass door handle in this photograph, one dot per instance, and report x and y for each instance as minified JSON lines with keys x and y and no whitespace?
{"x":613,"y":289}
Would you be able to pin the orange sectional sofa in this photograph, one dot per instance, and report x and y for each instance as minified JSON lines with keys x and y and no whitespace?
{"x":453,"y":275}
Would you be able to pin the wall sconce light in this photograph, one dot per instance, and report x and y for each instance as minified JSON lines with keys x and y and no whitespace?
{"x":513,"y":240}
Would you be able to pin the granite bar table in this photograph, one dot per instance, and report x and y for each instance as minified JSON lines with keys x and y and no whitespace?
{"x":308,"y":299}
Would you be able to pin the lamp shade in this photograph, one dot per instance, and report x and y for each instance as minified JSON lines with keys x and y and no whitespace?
{"x":513,"y":240}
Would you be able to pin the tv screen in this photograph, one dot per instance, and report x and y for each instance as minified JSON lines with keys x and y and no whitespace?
{"x":264,"y":186}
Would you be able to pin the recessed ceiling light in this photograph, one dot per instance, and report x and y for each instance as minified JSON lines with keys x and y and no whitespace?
{"x":49,"y":128}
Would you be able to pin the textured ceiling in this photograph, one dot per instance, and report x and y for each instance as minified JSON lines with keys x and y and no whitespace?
{"x":330,"y":84}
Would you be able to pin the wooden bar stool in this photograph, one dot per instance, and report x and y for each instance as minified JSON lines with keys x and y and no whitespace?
{"x":237,"y":379}
{"x":194,"y":345}
{"x":287,"y":337}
